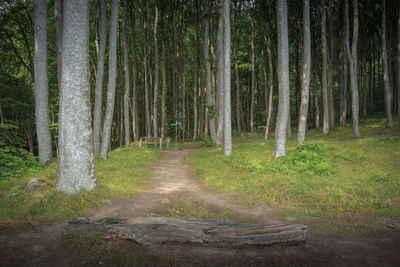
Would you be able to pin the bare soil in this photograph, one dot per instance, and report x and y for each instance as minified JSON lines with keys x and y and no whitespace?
{"x":172,"y":182}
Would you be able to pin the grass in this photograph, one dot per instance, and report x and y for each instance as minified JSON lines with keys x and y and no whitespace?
{"x":337,"y":183}
{"x":118,"y":178}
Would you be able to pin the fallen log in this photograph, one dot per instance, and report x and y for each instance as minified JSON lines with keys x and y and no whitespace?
{"x":162,"y":230}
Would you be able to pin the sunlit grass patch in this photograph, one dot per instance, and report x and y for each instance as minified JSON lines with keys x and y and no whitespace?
{"x":325,"y":182}
{"x":119,"y":177}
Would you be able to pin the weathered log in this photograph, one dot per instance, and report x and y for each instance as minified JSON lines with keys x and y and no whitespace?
{"x":162,"y":230}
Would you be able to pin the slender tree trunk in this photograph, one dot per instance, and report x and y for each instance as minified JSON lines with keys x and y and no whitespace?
{"x":325,"y":102}
{"x":156,"y":74}
{"x":306,"y":68}
{"x":253,"y":79}
{"x":227,"y":80}
{"x":76,"y":168}
{"x":398,"y":65}
{"x":100,"y":76}
{"x":388,"y":96}
{"x":135,"y":121}
{"x":271,"y":87}
{"x":112,"y":75}
{"x":352,"y":58}
{"x":210,"y":96}
{"x":283,"y":80}
{"x":220,"y":78}
{"x":41,"y":82}
{"x":127,"y":80}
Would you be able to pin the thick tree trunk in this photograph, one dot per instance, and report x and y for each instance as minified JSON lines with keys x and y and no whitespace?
{"x":100,"y":77}
{"x":352,"y":58}
{"x":127,"y":80}
{"x":156,"y":75}
{"x":283,"y":80}
{"x":227,"y":80}
{"x":112,"y":75}
{"x":76,"y":170}
{"x":305,"y":78}
{"x":325,"y":100}
{"x":41,"y":82}
{"x":253,"y":77}
{"x":386,"y":76}
{"x":162,"y":230}
{"x":135,"y":120}
{"x":220,"y":77}
{"x":210,"y":96}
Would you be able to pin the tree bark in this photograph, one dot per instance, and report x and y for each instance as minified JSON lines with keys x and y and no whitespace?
{"x":325,"y":101}
{"x":112,"y":75}
{"x":210,"y":96}
{"x":127,"y":79}
{"x":227,"y":80}
{"x":156,"y":74}
{"x":76,"y":170}
{"x":41,"y":82}
{"x":220,"y":77}
{"x":100,"y":76}
{"x":283,"y":80}
{"x":352,"y":58}
{"x":306,"y":68}
{"x":386,"y":76}
{"x":161,"y":230}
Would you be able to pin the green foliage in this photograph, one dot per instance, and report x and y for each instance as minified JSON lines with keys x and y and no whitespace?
{"x":15,"y":162}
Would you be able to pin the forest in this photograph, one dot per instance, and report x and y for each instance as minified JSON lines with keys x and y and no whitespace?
{"x":261,"y":90}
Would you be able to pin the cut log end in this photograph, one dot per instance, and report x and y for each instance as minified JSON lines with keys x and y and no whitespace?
{"x":163,"y":230}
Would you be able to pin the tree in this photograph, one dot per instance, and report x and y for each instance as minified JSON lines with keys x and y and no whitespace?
{"x":220,"y":77}
{"x":306,"y":69}
{"x":352,"y":58}
{"x":386,"y":77}
{"x":112,"y":76}
{"x":100,"y":76}
{"x":76,"y":168}
{"x":325,"y":102}
{"x":227,"y":81}
{"x":283,"y":79}
{"x":210,"y":95}
{"x":127,"y":80}
{"x":41,"y":82}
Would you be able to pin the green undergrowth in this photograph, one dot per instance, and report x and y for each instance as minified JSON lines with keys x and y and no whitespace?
{"x":89,"y":250}
{"x":119,"y":177}
{"x":335,"y":183}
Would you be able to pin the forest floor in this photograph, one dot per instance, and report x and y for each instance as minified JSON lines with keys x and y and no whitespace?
{"x":174,"y":191}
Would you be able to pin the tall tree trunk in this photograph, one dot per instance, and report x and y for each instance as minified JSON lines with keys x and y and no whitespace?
{"x":76,"y":168}
{"x":325,"y":100}
{"x":220,"y":78}
{"x":305,"y":78}
{"x":112,"y":75}
{"x":196,"y":71}
{"x":352,"y":58}
{"x":283,"y":80}
{"x":344,"y":84}
{"x":127,"y":80}
{"x":398,"y":65}
{"x":386,"y":76}
{"x":145,"y":70}
{"x":135,"y":120}
{"x":210,"y":96}
{"x":253,"y":79}
{"x":271,"y":87}
{"x":227,"y":80}
{"x":156,"y":74}
{"x":41,"y":82}
{"x":100,"y":76}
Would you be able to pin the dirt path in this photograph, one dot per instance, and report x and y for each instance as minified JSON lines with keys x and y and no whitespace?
{"x":174,"y":182}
